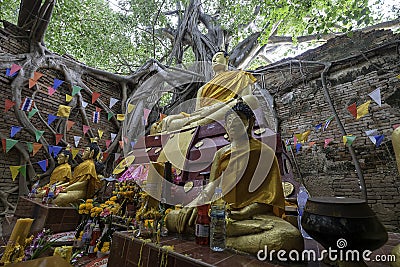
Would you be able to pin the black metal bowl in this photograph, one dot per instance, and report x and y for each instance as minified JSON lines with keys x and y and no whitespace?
{"x":350,"y":221}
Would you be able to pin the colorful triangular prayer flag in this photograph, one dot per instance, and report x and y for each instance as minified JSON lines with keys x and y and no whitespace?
{"x":133,"y":144}
{"x":121,"y":144}
{"x":100,"y":132}
{"x":56,"y":150}
{"x":84,"y":104}
{"x":362,"y":110}
{"x":298,"y":147}
{"x":327,"y":142}
{"x":51,"y":118}
{"x":22,"y":170}
{"x":113,"y":135}
{"x":68,"y":98}
{"x":146,"y":113}
{"x":108,"y":142}
{"x":29,"y":145}
{"x":8,"y":104}
{"x":105,"y":156}
{"x":75,"y":89}
{"x":348,"y":139}
{"x":32,"y":112}
{"x":14,"y":69}
{"x":64,"y":111}
{"x":10,"y":143}
{"x":95,"y":96}
{"x":371,"y":134}
{"x":8,"y":71}
{"x":327,"y":122}
{"x":395,"y":126}
{"x":37,"y":76}
{"x":70,"y":124}
{"x":74,"y":152}
{"x":57,"y":83}
{"x":76,"y":140}
{"x":32,"y":83}
{"x":376,"y":96}
{"x":38,"y":134}
{"x":14,"y":171}
{"x":311,"y":144}
{"x":36,"y":148}
{"x":113,"y":101}
{"x":379,"y":139}
{"x":51,"y":90}
{"x":15,"y":130}
{"x":131,"y":107}
{"x":43,"y":164}
{"x":58,"y":138}
{"x":353,"y":109}
{"x":109,"y":115}
{"x":85,"y":128}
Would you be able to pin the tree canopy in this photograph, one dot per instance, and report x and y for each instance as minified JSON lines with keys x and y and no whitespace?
{"x":119,"y":36}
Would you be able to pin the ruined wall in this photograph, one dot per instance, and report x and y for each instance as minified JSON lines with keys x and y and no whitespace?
{"x":360,"y":64}
{"x":9,"y":44}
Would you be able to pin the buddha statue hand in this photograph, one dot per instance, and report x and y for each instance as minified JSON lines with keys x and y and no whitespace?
{"x":186,"y":218}
{"x":249,"y":211}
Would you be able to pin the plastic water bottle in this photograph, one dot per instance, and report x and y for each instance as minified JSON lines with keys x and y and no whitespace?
{"x":217,"y":226}
{"x":302,"y":197}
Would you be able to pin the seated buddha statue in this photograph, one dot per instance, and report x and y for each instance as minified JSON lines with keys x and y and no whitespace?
{"x":214,"y":98}
{"x":247,"y":170}
{"x":84,"y":182}
{"x":61,"y":174}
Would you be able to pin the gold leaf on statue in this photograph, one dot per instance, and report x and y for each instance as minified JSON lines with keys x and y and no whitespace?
{"x":287,"y":188}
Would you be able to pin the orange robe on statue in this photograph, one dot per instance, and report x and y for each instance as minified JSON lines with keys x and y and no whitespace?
{"x":87,"y":171}
{"x":225,"y":86}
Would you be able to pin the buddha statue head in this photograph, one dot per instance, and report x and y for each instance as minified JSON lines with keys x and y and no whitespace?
{"x":65,"y":156}
{"x":239,"y":121}
{"x":220,"y":61}
{"x":91,"y":151}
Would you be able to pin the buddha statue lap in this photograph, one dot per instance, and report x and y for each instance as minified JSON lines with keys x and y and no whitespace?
{"x":247,"y":171}
{"x":85,"y":181}
{"x":214,"y":99}
{"x":61,"y":174}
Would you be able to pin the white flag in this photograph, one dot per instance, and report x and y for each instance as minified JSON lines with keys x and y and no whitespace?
{"x":113,"y":101}
{"x":376,"y":96}
{"x":76,"y":140}
{"x":371,"y":134}
{"x":113,"y":135}
{"x":84,"y":104}
{"x":117,"y":155}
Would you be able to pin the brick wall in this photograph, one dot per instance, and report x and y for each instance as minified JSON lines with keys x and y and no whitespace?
{"x":48,"y":105}
{"x":300,"y":104}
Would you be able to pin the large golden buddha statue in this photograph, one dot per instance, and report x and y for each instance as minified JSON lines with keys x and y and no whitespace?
{"x":214,"y":98}
{"x":247,"y":170}
{"x":85,"y":181}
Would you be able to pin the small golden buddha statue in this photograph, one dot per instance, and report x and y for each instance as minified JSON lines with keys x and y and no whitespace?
{"x":214,"y":98}
{"x":62,"y":173}
{"x":247,"y":170}
{"x":85,"y":181}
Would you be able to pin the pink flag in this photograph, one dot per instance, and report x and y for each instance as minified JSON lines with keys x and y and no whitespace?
{"x":51,"y":90}
{"x":327,"y":141}
{"x":14,"y":69}
{"x":85,"y":129}
{"x":108,"y":143}
{"x":95,"y":96}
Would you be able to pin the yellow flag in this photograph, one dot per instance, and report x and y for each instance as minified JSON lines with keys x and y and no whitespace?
{"x":100,"y":132}
{"x":398,"y":76}
{"x":14,"y":171}
{"x":68,"y":98}
{"x":298,"y":137}
{"x":362,"y":110}
{"x":344,"y":139}
{"x":74,"y":152}
{"x":131,"y":107}
{"x":92,"y":139}
{"x":120,"y":117}
{"x":305,"y":135}
{"x":63,"y":111}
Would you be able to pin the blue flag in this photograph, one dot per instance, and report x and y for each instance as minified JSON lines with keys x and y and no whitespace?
{"x":15,"y":130}
{"x":43,"y":164}
{"x":57,"y":83}
{"x":51,"y":118}
{"x":298,"y":146}
{"x":379,"y":139}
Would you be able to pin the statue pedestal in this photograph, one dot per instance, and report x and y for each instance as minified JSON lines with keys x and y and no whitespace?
{"x":57,"y":219}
